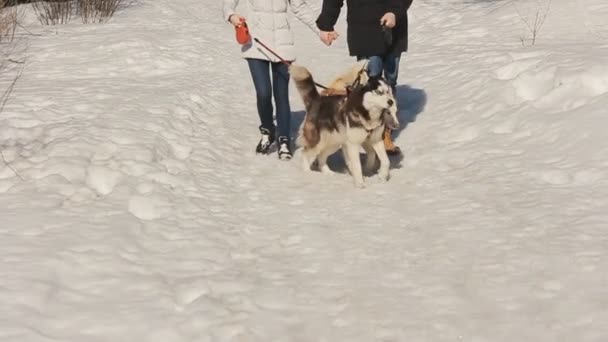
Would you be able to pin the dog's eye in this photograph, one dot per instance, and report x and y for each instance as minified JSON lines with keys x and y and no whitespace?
{"x":378,"y":92}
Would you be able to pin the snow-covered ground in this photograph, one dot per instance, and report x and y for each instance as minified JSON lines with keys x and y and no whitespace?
{"x":132,"y":206}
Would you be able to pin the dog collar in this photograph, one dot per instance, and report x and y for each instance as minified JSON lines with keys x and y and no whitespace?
{"x":369,"y":131}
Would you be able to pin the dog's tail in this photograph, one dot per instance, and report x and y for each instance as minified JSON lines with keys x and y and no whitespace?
{"x":349,"y":76}
{"x":305,"y":84}
{"x":308,"y":136}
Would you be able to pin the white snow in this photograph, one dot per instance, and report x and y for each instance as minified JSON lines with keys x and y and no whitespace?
{"x":133,"y":207}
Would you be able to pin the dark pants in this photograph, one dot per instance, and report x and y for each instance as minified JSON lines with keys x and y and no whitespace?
{"x":387,"y":65}
{"x":264,"y":89}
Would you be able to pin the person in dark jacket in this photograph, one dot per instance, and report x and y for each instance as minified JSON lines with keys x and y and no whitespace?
{"x":377,"y":30}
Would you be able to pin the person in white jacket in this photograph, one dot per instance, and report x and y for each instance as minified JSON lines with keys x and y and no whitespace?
{"x":268,"y":21}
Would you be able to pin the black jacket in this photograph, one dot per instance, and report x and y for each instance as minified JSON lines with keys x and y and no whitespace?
{"x":365,"y":36}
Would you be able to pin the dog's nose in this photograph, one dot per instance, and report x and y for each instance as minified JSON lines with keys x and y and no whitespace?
{"x":390,"y":102}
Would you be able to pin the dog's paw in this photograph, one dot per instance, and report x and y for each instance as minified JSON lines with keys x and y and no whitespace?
{"x":359,"y":185}
{"x":327,"y":171}
{"x":306,"y":164}
{"x":383,"y":176}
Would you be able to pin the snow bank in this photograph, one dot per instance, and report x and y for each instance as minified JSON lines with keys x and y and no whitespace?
{"x":132,"y":206}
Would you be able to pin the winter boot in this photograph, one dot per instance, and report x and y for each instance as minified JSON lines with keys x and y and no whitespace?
{"x":284,"y":150}
{"x":391,"y":149}
{"x":265,"y":141}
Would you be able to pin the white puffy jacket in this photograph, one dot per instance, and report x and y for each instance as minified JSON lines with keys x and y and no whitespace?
{"x":268,"y":21}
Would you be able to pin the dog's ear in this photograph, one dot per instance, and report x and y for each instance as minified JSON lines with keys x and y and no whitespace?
{"x":363,"y":76}
{"x":361,"y":79}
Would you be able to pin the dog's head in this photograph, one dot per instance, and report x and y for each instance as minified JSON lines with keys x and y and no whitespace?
{"x":378,"y":99}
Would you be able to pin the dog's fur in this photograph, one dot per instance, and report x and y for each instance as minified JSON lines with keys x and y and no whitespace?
{"x":346,"y":122}
{"x":339,"y":85}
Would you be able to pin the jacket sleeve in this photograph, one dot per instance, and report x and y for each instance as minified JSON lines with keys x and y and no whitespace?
{"x":399,"y":7}
{"x":229,"y":7}
{"x":329,"y":14}
{"x":395,"y":6}
{"x":407,"y":4}
{"x":302,"y":11}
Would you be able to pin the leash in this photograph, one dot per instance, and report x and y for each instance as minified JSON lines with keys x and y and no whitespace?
{"x":282,"y":60}
{"x":358,"y":79}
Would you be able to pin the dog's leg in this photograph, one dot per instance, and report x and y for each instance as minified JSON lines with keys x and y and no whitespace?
{"x":323,"y":159}
{"x":352,"y":152}
{"x":385,"y":163}
{"x":370,"y":156}
{"x":346,"y":159}
{"x":308,"y":157}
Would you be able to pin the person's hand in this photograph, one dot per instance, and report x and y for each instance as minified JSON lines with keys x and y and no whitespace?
{"x":236,"y":19}
{"x":328,"y":37}
{"x":388,"y":20}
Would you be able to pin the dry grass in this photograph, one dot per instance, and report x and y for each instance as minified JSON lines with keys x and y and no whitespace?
{"x":97,"y":11}
{"x":534,"y":25}
{"x":54,"y":12}
{"x":9,"y":20}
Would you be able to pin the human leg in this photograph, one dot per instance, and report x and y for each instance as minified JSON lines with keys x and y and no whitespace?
{"x":280,"y":88}
{"x":391,"y":69}
{"x":260,"y":74}
{"x":374,"y":65}
{"x":391,"y":73}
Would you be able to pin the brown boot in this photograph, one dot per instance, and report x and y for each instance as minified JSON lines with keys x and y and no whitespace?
{"x":391,"y":149}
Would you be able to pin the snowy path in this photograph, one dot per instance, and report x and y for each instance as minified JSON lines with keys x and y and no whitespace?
{"x":143,"y":214}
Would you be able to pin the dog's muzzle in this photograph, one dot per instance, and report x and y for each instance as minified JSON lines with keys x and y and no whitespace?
{"x":389,"y":120}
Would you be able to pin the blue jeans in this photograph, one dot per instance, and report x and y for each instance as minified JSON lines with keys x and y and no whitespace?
{"x":389,"y":64}
{"x":264,"y":89}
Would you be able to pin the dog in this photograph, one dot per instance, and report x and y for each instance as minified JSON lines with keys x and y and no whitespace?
{"x":345,"y":121}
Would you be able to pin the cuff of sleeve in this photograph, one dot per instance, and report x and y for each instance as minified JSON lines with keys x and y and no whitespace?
{"x":323,"y":27}
{"x":227,"y":15}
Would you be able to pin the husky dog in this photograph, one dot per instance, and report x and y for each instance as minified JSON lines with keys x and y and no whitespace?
{"x":347,"y":122}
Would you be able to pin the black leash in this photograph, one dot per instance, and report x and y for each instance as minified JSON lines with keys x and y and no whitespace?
{"x":358,"y":79}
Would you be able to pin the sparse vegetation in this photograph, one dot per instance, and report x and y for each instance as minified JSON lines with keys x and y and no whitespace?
{"x":535,"y":24}
{"x":53,"y":12}
{"x":8,"y":22}
{"x":97,"y":11}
